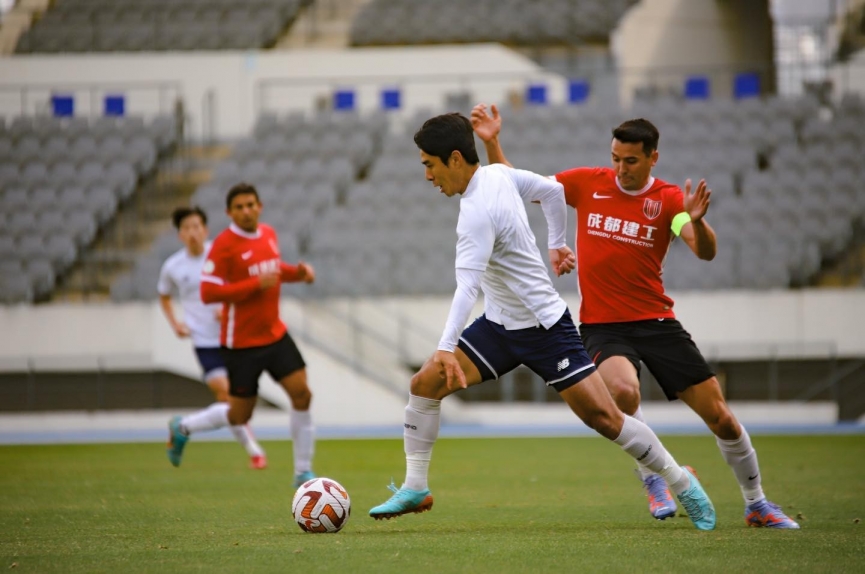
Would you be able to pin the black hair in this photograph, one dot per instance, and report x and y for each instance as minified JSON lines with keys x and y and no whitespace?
{"x":240,"y":189}
{"x":182,"y":213}
{"x":639,"y":131}
{"x":444,"y":134}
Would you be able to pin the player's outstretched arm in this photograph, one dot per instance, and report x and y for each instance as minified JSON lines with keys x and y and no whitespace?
{"x":488,"y":128}
{"x":294,"y":273}
{"x":697,"y":234}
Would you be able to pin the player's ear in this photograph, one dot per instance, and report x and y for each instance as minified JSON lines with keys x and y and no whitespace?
{"x":457,"y":158}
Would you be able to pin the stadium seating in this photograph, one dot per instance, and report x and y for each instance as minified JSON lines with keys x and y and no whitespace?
{"x":517,"y":22}
{"x":148,"y":25}
{"x":61,"y":180}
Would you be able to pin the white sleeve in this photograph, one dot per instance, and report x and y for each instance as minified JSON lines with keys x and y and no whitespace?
{"x":163,"y":286}
{"x":551,"y":194}
{"x":468,"y":284}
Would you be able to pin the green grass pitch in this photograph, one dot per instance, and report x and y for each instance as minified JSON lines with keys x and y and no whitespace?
{"x":501,"y":505}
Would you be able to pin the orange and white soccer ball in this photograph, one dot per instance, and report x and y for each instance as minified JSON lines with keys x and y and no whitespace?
{"x":321,"y":505}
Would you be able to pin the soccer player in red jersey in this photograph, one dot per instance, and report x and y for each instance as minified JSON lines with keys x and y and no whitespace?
{"x":626,"y":220}
{"x":243,"y":271}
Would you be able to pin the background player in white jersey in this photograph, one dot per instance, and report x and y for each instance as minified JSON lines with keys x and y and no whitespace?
{"x":182,"y":273}
{"x":524,"y":321}
{"x":627,"y":220}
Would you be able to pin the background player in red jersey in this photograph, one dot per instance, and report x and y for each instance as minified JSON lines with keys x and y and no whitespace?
{"x":626,"y":220}
{"x":243,"y":271}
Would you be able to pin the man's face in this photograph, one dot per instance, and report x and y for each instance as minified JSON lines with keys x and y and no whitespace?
{"x":192,"y":232}
{"x":633,"y":167}
{"x":442,"y":176}
{"x":244,"y":211}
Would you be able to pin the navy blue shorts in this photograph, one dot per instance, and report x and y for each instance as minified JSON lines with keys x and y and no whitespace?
{"x":211,"y":362}
{"x":555,"y":354}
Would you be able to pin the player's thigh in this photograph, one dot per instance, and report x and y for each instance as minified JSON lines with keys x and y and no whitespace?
{"x":674,"y":359}
{"x":286,"y":365}
{"x":218,"y":385}
{"x":430,"y":381}
{"x":612,"y":350}
{"x":244,"y":367}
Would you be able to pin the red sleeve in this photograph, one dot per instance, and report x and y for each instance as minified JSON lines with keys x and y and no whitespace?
{"x":575,"y":181}
{"x":215,"y":287}
{"x":289,"y":273}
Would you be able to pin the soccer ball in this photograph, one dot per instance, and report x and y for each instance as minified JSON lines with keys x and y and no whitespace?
{"x":321,"y":505}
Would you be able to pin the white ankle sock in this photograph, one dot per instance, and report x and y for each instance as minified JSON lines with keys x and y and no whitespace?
{"x":640,"y":442}
{"x":421,"y":429}
{"x":645,"y":472}
{"x":244,"y":436}
{"x":213,"y":417}
{"x":303,"y":440}
{"x":742,"y":458}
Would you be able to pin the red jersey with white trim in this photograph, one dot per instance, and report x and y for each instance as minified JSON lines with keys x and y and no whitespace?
{"x":622,"y":241}
{"x":250,"y":315}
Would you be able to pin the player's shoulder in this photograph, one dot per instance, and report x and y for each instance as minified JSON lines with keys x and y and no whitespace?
{"x":175,"y":259}
{"x":266,"y":230}
{"x":665,"y":187}
{"x":576,"y":173}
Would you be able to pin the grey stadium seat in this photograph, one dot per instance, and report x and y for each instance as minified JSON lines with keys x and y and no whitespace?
{"x":15,"y":289}
{"x":42,"y":277}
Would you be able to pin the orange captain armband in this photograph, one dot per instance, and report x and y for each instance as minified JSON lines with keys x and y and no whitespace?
{"x":679,"y":222}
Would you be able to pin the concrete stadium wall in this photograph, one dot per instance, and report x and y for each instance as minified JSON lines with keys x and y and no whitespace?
{"x":241,"y":82}
{"x":684,"y":37}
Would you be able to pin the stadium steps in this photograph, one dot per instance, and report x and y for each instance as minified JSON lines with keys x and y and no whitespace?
{"x":139,"y":222}
{"x":321,"y":25}
{"x":17,"y":21}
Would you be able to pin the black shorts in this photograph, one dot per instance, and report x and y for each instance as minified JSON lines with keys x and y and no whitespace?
{"x":245,"y":366}
{"x":663,"y":345}
{"x":555,"y":354}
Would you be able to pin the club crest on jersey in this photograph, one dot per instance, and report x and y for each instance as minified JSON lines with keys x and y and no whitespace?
{"x":651,"y":208}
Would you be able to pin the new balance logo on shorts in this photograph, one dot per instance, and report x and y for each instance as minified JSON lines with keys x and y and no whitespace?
{"x":563,"y":364}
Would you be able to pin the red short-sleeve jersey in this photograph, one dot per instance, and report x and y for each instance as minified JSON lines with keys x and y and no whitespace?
{"x":622,"y":241}
{"x":250,"y":315}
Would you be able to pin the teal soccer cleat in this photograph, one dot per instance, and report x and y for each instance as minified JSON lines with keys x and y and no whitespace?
{"x":305,"y":476}
{"x":176,"y":441}
{"x":768,"y":515}
{"x":697,"y":504}
{"x":403,"y":501}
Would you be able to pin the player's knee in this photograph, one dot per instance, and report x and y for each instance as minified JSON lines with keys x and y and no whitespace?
{"x":301,"y":398}
{"x":238,"y":418}
{"x":625,"y":393}
{"x":427,"y":383}
{"x":604,"y":423}
{"x":724,"y":424}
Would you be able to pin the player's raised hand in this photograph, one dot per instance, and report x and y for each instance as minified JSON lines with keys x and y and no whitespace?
{"x":562,"y":260}
{"x":450,"y":369}
{"x":486,"y":126}
{"x":306,"y":272}
{"x":697,"y":203}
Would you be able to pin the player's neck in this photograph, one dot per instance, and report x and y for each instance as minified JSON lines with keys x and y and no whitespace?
{"x":195,"y":250}
{"x":470,"y":172}
{"x":645,"y":187}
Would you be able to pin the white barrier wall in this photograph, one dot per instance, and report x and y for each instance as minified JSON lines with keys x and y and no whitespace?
{"x":241,"y":82}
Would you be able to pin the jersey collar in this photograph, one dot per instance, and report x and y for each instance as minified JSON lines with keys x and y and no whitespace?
{"x":233,"y":227}
{"x":645,"y":188}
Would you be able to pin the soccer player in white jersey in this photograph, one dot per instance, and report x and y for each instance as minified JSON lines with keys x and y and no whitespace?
{"x":524,"y":322}
{"x":182,"y":272}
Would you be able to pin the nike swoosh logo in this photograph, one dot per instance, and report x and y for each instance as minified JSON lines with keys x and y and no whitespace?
{"x":596,"y":196}
{"x":246,"y":255}
{"x":753,"y":477}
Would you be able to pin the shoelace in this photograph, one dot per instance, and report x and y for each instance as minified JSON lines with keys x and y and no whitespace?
{"x":691,"y":506}
{"x":392,"y":487}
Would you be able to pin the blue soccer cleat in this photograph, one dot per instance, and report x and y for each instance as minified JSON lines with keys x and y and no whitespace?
{"x":403,"y":501}
{"x":661,"y":503}
{"x":304,"y":476}
{"x":697,"y":504}
{"x":769,"y":515}
{"x":176,"y":441}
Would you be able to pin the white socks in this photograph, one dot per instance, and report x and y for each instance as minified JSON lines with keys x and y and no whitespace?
{"x":422,"y":420}
{"x":644,"y":471}
{"x":742,"y":458}
{"x":640,"y":442}
{"x":215,"y":417}
{"x":303,"y":440}
{"x":244,"y":436}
